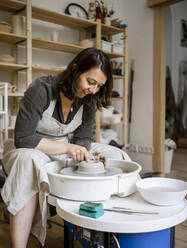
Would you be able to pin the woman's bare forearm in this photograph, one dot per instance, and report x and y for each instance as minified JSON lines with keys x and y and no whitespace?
{"x":52,"y":147}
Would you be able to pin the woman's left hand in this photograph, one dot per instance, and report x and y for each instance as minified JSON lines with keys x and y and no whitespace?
{"x":100,"y":156}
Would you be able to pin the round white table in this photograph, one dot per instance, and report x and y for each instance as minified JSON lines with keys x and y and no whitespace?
{"x":138,"y":229}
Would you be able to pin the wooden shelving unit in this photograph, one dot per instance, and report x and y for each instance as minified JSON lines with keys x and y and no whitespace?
{"x":55,"y":46}
{"x":11,"y":38}
{"x":61,"y":19}
{"x":15,"y":7}
{"x":12,"y":5}
{"x":18,"y":94}
{"x":107,"y":30}
{"x":110,"y":30}
{"x":46,"y":15}
{"x":113,"y":124}
{"x":118,"y":76}
{"x":114,"y":55}
{"x":46,"y":69}
{"x":118,"y":98}
{"x":12,"y":67}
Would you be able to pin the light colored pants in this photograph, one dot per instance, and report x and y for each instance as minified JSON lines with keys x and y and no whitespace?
{"x":27,"y":176}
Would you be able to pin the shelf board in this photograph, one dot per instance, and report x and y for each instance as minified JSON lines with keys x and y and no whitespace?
{"x":11,"y":66}
{"x":118,"y":99}
{"x":61,"y":19}
{"x":2,"y":112}
{"x":12,"y":5}
{"x":114,"y":55}
{"x":110,"y":30}
{"x":11,"y":128}
{"x":64,"y":47}
{"x":11,"y":38}
{"x":56,"y":46}
{"x":57,"y":70}
{"x":47,"y":69}
{"x":118,"y":76}
{"x":113,"y":124}
{"x":16,"y":94}
{"x":47,"y":15}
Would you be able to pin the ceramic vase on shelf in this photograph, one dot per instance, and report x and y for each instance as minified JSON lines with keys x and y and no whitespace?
{"x":17,"y":24}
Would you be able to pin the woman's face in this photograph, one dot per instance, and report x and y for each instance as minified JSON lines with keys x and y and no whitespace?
{"x":90,"y":82}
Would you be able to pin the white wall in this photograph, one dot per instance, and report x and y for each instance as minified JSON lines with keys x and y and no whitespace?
{"x":140,"y":22}
{"x":177,"y":11}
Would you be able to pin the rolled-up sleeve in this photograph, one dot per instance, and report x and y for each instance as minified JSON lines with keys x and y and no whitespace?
{"x":31,"y":107}
{"x":83,"y":135}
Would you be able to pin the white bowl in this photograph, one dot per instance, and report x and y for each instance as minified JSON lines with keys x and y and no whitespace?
{"x":162,"y":191}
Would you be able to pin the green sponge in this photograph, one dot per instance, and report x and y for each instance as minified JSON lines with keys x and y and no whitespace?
{"x":91,"y":209}
{"x":91,"y":214}
{"x":91,"y":206}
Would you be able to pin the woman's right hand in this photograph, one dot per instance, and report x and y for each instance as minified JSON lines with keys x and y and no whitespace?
{"x":78,"y":153}
{"x":52,"y":147}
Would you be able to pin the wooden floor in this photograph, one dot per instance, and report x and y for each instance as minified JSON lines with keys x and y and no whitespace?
{"x":55,"y":234}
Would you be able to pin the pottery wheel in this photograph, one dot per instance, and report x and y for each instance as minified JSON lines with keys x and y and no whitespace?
{"x":91,"y":168}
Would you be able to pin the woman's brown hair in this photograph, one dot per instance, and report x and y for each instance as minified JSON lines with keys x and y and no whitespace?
{"x":83,"y":62}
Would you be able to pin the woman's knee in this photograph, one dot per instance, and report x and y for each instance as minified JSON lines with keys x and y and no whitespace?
{"x":24,"y":157}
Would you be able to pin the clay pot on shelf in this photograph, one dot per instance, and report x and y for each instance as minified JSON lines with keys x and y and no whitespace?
{"x":17,"y":24}
{"x":5,"y":27}
{"x":6,"y":58}
{"x":86,"y":43}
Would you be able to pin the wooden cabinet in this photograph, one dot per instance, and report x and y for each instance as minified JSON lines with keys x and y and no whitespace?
{"x":32,"y":12}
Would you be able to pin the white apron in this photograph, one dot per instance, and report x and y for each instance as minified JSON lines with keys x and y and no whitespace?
{"x":49,"y":127}
{"x":26,"y":168}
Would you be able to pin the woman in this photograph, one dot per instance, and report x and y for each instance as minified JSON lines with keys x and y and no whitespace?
{"x":55,"y":121}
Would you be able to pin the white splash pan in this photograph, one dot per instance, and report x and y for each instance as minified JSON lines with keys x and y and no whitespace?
{"x":93,"y":188}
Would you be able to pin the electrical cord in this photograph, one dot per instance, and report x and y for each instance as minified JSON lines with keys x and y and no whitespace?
{"x":116,"y":240}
